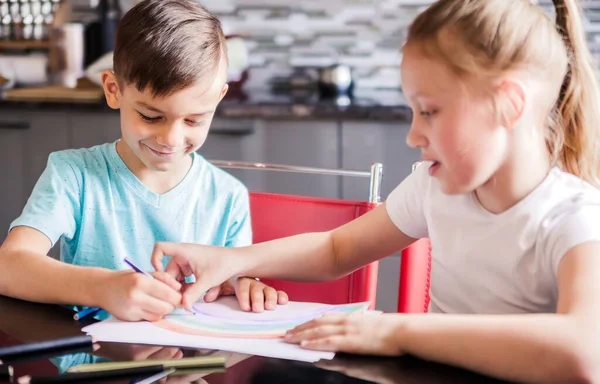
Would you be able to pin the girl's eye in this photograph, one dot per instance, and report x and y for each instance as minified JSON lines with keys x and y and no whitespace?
{"x":427,"y":113}
{"x":148,"y":118}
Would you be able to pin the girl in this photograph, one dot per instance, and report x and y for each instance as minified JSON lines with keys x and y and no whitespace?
{"x":506,"y":115}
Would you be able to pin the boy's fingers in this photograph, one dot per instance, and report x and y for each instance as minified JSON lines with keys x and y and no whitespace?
{"x":165,"y":293}
{"x":243,"y":294}
{"x":167,"y":279}
{"x":282,"y":297}
{"x":257,"y":298}
{"x":270,"y":298}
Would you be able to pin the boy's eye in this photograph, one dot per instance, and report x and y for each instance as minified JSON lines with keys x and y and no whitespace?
{"x":195,"y":123}
{"x":148,"y":118}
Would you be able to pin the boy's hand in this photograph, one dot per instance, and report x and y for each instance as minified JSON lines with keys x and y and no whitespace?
{"x":132,"y":296}
{"x":252,"y":294}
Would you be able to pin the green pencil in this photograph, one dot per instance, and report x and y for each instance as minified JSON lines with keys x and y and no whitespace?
{"x":186,"y":362}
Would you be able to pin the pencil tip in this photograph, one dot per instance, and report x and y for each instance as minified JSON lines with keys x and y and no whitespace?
{"x":24,"y":380}
{"x":11,"y":371}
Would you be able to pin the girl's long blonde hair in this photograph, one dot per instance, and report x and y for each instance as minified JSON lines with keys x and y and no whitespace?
{"x":491,"y":37}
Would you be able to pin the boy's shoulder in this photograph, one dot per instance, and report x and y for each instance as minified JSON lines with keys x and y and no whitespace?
{"x":80,"y":158}
{"x":217,"y":178}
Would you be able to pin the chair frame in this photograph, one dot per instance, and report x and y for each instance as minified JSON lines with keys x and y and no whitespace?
{"x":375,"y":175}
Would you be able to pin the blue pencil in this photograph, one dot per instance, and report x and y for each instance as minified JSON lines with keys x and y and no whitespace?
{"x":87,"y":313}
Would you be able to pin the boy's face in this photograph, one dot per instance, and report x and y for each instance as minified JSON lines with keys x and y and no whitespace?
{"x":162,"y":132}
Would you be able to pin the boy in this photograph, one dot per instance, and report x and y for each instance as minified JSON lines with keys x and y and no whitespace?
{"x":117,"y":199}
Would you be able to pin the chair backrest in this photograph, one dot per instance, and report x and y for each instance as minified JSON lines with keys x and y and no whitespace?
{"x":415,"y":271}
{"x":277,"y":215}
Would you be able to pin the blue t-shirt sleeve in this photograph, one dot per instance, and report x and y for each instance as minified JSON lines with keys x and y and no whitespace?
{"x":239,"y":233}
{"x":54,"y":206}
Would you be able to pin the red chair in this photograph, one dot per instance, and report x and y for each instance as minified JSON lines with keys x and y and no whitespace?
{"x":415,"y":271}
{"x":277,"y":215}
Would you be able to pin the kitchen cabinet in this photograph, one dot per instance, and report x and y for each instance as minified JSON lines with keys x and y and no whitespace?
{"x":366,"y":143}
{"x":90,"y":128}
{"x":300,"y":143}
{"x":310,"y":144}
{"x":13,"y":137}
{"x":27,"y":140}
{"x":362,"y":145}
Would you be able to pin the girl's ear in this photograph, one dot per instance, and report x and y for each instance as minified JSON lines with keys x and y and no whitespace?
{"x":511,"y":101}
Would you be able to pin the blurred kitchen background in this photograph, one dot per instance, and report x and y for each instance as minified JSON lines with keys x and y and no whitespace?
{"x":313,"y":83}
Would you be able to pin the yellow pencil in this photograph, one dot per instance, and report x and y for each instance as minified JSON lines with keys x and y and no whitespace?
{"x":186,"y":362}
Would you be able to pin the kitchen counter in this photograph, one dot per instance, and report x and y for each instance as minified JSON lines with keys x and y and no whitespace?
{"x":262,"y":104}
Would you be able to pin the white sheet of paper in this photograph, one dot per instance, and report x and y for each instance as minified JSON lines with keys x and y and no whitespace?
{"x":226,"y":312}
{"x":112,"y":330}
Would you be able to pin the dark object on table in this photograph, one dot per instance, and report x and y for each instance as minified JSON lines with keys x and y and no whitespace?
{"x":44,"y":349}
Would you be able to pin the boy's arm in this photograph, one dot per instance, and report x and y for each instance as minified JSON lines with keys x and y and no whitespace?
{"x":26,"y":272}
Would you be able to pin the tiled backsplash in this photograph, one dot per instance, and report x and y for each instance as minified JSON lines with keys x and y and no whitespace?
{"x":366,"y":34}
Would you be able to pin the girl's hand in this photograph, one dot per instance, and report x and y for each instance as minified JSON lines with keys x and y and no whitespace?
{"x":252,"y":294}
{"x":210,"y":265}
{"x":366,"y":334}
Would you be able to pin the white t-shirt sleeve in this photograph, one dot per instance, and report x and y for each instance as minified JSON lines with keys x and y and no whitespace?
{"x":406,"y":204}
{"x":579,"y":225}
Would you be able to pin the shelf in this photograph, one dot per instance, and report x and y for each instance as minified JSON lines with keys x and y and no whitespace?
{"x":23,"y":44}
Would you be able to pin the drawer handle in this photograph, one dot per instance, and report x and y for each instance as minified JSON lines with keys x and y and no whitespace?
{"x":14,"y":125}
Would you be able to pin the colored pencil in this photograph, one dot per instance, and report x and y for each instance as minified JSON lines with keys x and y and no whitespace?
{"x":88,"y":377}
{"x":85,"y":313}
{"x":186,"y":362}
{"x":136,"y":268}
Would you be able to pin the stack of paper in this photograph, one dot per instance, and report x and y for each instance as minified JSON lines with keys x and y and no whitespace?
{"x":222,"y":325}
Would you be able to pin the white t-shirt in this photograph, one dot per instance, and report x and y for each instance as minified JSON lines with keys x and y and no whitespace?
{"x":496,"y":263}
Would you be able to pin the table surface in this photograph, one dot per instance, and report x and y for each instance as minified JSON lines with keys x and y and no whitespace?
{"x":22,"y":322}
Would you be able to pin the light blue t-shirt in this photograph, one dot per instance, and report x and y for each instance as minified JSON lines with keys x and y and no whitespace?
{"x":102,"y":212}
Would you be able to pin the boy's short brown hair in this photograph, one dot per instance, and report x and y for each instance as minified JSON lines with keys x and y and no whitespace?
{"x":167,"y":45}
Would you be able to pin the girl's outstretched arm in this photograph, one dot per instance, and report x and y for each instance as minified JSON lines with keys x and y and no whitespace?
{"x":313,"y":257}
{"x":560,"y":347}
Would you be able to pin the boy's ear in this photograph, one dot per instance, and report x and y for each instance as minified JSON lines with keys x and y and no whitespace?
{"x":111,"y":89}
{"x":224,"y":91}
{"x":512,"y":100}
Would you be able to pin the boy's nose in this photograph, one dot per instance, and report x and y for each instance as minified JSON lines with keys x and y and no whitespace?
{"x":171,"y":136}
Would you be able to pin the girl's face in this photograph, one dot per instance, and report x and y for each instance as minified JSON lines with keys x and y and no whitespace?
{"x":455,"y":128}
